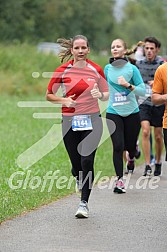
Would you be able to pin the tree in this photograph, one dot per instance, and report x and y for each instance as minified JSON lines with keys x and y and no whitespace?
{"x":144,"y":18}
{"x":18,"y":19}
{"x":66,"y":18}
{"x":47,"y":20}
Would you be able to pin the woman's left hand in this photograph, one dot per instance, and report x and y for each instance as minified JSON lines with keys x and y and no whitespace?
{"x":95,"y":91}
{"x":122,"y":81}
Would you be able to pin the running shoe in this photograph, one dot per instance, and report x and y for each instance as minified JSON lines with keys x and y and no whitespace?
{"x":157,"y":171}
{"x":130,"y":166}
{"x":83,"y":211}
{"x":147,"y":171}
{"x":119,"y":187}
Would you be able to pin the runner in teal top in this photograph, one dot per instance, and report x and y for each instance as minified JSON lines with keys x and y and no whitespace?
{"x":125,"y":83}
{"x":122,"y":100}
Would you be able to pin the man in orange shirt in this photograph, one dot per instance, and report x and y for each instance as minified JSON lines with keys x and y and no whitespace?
{"x":159,"y":95}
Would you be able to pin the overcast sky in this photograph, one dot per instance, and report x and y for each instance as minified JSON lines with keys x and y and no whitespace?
{"x":118,"y":9}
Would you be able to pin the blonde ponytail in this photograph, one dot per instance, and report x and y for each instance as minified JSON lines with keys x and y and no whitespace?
{"x":134,"y":48}
{"x":66,"y":45}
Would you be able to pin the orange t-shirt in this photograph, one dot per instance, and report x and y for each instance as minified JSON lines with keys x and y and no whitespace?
{"x":160,"y":86}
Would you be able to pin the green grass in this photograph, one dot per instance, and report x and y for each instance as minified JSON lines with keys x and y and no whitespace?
{"x":18,"y":62}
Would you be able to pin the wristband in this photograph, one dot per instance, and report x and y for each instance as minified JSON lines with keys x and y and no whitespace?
{"x":129,"y":87}
{"x":102,"y":95}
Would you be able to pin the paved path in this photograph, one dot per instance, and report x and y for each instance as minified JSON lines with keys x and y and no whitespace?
{"x":135,"y":221}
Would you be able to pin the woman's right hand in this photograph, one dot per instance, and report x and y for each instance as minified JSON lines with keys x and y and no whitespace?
{"x":69,"y":102}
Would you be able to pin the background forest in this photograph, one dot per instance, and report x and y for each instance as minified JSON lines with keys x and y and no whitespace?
{"x":46,"y":20}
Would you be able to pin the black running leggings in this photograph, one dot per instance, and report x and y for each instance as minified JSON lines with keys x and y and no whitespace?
{"x":124,"y":137}
{"x":81,"y":147}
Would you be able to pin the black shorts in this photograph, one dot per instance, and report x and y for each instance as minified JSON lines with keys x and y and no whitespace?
{"x":153,"y":114}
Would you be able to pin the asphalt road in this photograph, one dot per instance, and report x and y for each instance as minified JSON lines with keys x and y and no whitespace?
{"x":135,"y":221}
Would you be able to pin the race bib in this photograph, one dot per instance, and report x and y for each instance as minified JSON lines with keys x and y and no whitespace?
{"x":120,"y":98}
{"x":81,"y":122}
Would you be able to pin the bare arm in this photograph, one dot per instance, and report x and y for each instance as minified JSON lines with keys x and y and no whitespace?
{"x":103,"y":96}
{"x":138,"y":90}
{"x":159,"y":99}
{"x":68,"y":102}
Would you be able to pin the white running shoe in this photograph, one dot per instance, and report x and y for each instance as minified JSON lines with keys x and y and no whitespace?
{"x":83,"y":210}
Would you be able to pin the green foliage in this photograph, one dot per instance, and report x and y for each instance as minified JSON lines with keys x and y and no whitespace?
{"x":17,"y":65}
{"x":144,"y":18}
{"x":47,"y":20}
{"x":69,"y":18}
{"x":18,"y":19}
